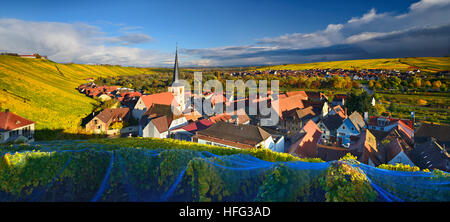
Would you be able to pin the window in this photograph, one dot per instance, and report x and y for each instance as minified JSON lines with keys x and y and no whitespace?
{"x":343,"y":127}
{"x":208,"y":143}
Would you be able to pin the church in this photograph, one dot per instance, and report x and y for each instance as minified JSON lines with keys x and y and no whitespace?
{"x":154,"y":111}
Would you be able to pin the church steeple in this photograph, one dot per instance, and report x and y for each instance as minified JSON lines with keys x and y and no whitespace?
{"x":176,"y":75}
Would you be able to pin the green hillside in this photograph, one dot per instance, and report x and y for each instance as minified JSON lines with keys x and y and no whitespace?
{"x":45,"y":91}
{"x":427,"y":64}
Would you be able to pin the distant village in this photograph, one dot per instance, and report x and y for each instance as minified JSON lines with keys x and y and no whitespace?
{"x":360,"y":74}
{"x":309,"y":126}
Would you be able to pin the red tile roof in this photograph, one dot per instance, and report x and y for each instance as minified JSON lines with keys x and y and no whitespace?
{"x":10,"y":121}
{"x":341,"y":112}
{"x":164,"y":98}
{"x":306,"y":146}
{"x":300,"y":93}
{"x":196,"y":126}
{"x":289,"y":103}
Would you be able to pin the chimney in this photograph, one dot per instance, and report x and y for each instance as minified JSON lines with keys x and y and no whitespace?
{"x":345,"y":111}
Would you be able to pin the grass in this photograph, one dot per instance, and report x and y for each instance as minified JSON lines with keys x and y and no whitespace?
{"x":427,"y":64}
{"x":45,"y":91}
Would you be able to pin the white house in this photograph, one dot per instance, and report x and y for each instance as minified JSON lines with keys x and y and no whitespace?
{"x":14,"y":128}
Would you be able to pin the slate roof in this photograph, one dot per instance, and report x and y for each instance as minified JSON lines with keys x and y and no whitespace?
{"x":245,"y":134}
{"x":440,"y":132}
{"x":332,"y":122}
{"x":431,"y":155}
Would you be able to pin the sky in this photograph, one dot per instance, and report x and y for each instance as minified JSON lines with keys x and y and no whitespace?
{"x":224,"y":33}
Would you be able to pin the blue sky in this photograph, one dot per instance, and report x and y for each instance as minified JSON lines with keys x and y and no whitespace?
{"x":222,"y":32}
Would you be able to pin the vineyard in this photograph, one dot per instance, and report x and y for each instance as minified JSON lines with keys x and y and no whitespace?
{"x":426,"y":64}
{"x":140,"y":170}
{"x":45,"y":92}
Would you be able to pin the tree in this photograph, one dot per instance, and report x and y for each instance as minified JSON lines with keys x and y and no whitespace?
{"x":360,"y":103}
{"x":437,"y":84}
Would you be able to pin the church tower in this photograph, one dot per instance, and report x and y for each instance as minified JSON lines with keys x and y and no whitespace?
{"x":177,"y":89}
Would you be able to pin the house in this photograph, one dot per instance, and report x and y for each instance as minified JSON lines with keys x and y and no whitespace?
{"x":386,"y":124}
{"x":14,"y":128}
{"x":188,"y":131}
{"x":305,"y":141}
{"x":339,"y":99}
{"x":278,"y":139}
{"x":431,"y":155}
{"x":192,"y":115}
{"x":294,"y":120}
{"x":238,"y":115}
{"x":288,"y":103}
{"x":339,"y":111}
{"x":159,"y":120}
{"x":329,"y":126}
{"x":235,"y":136}
{"x":101,"y":123}
{"x":319,"y":107}
{"x":146,"y":101}
{"x":397,"y":147}
{"x":316,"y":96}
{"x":431,"y":143}
{"x":366,"y":150}
{"x":352,"y":126}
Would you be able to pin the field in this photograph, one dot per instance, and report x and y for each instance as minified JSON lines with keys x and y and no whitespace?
{"x":436,"y":108}
{"x":156,"y":170}
{"x":45,"y":91}
{"x":427,"y":64}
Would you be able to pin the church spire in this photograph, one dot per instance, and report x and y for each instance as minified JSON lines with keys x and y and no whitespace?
{"x":176,"y":75}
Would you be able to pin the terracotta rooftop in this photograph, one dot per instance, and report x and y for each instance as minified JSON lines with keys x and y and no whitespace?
{"x":158,"y":98}
{"x":10,"y":121}
{"x":306,"y":145}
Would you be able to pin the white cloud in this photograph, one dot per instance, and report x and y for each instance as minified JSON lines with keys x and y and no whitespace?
{"x":422,"y":31}
{"x":424,"y":4}
{"x":79,"y":43}
{"x":370,"y":16}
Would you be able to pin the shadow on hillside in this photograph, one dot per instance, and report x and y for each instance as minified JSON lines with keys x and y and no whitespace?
{"x":59,"y":134}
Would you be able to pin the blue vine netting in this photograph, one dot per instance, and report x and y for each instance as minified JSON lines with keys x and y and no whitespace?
{"x":72,"y":171}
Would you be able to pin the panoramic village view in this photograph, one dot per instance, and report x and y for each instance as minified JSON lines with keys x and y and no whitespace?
{"x":359,"y":111}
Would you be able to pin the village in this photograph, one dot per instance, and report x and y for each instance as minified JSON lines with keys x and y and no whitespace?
{"x":309,"y":125}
